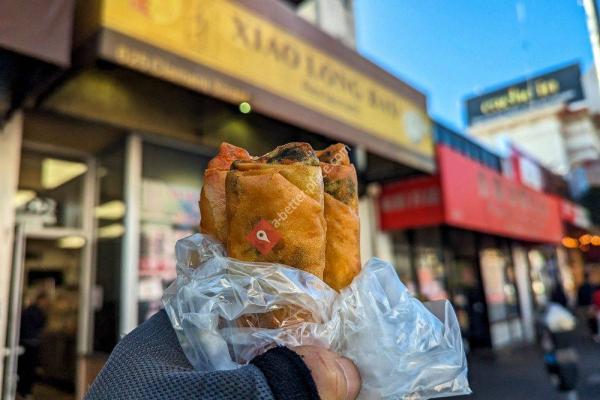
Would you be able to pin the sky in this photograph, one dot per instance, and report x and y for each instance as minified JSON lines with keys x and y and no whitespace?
{"x":451,"y":49}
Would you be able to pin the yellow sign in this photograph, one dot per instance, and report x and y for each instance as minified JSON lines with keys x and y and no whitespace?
{"x":226,"y":37}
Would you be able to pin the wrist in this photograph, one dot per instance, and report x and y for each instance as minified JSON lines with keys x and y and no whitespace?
{"x":287,"y":375}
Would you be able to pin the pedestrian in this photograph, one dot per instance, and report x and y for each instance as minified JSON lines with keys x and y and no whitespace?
{"x":33,"y":321}
{"x":149,"y":363}
{"x":584,"y":304}
{"x":557,"y":338}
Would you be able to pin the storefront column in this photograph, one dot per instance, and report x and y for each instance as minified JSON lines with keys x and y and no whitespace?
{"x":522,"y":277}
{"x":374,"y":242}
{"x":85,"y":319}
{"x":131,"y":240}
{"x":366,"y":246}
{"x":566,"y":275}
{"x":10,"y":154}
{"x":369,"y":225}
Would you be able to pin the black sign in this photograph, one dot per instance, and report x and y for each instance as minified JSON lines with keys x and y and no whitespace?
{"x":559,"y":86}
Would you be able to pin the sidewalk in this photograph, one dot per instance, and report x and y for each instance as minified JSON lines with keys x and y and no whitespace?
{"x":519,"y":374}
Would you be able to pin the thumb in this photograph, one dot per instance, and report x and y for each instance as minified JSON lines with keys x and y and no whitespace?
{"x":336,"y":377}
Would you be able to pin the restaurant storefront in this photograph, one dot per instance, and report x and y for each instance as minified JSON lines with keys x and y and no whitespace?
{"x":487,"y":243}
{"x":108,"y":157}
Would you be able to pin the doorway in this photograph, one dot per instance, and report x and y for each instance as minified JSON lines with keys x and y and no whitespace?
{"x":49,"y":301}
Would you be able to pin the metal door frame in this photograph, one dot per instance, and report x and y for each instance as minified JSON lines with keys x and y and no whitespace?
{"x":14,"y":320}
{"x":86,"y":271}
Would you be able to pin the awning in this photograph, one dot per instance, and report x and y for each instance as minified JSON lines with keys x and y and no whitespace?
{"x":261,"y":52}
{"x":469,"y":195}
{"x":38,"y":28}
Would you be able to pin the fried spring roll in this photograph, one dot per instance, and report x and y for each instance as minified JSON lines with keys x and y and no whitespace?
{"x":341,"y":214}
{"x":212,"y":197}
{"x":275,"y":209}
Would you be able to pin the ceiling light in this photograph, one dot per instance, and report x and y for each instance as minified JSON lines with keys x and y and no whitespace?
{"x":585,"y":239}
{"x":245,"y":107}
{"x":71,"y":242}
{"x":57,"y":172}
{"x":111,"y":210}
{"x":111,"y":231}
{"x":570,"y":242}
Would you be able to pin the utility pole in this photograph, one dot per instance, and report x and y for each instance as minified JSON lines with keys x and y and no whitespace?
{"x":591,"y":11}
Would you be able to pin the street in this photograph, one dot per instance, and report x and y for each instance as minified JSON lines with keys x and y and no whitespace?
{"x":519,"y":374}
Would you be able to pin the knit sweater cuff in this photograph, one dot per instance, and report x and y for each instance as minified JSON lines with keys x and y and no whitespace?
{"x":287,"y":375}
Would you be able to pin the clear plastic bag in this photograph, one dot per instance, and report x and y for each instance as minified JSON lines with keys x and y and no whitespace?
{"x":401,"y":349}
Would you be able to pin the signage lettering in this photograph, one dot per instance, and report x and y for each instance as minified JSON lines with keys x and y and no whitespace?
{"x":562,"y":85}
{"x":230,"y":40}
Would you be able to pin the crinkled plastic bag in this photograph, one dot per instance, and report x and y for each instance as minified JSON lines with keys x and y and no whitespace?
{"x":225,"y":312}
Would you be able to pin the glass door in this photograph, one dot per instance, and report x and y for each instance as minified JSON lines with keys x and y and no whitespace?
{"x":51,"y":278}
{"x":47,"y":323}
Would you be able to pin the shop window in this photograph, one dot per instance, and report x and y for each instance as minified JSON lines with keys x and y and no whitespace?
{"x":500,"y":291}
{"x":171,"y":183}
{"x":465,"y":287}
{"x":547,"y":282}
{"x":109,"y":213}
{"x":499,"y":281}
{"x":402,"y":257}
{"x":429,"y":264}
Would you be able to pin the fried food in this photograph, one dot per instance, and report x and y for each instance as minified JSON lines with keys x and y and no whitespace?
{"x":275,"y":209}
{"x":212,"y":197}
{"x":341,"y":214}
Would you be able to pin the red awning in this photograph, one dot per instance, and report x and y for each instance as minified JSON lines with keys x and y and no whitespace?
{"x":38,"y":28}
{"x":474,"y":197}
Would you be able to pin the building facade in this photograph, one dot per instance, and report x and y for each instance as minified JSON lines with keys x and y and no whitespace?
{"x":105,"y":138}
{"x":484,"y":233}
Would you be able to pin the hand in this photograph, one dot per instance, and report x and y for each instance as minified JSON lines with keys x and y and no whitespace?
{"x":336,"y":377}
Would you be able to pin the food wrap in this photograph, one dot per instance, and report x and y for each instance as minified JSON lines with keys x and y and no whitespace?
{"x":275,"y":209}
{"x":401,"y":349}
{"x":342,"y":255}
{"x":212,"y":196}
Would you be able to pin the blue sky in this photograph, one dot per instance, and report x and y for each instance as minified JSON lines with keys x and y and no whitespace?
{"x":453,"y":48}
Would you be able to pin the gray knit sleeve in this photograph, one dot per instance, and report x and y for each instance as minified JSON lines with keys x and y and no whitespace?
{"x":149,"y":364}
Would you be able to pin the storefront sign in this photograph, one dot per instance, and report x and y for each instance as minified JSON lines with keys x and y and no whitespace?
{"x":471,"y":196}
{"x":38,"y":28}
{"x":411,"y":203}
{"x":560,"y":86}
{"x":478,"y":198}
{"x":261,"y":52}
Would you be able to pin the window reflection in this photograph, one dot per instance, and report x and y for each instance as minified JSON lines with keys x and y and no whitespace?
{"x":171,"y":183}
{"x":50,"y":191}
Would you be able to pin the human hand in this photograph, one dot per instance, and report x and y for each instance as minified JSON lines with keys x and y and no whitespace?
{"x":336,"y":377}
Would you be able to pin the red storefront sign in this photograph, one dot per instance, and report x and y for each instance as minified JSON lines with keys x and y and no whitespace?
{"x":474,"y":197}
{"x":478,"y":198}
{"x":412,"y":203}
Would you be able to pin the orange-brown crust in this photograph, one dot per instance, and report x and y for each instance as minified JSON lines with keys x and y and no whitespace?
{"x":228,"y":153}
{"x":212,"y":197}
{"x":343,"y":243}
{"x":336,"y":154}
{"x":284,"y":188}
{"x":296,"y":215}
{"x":341,"y":214}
